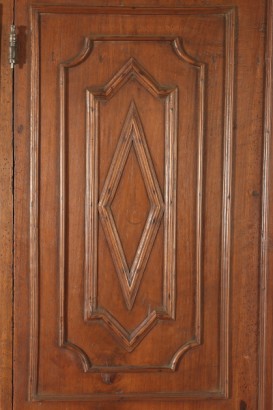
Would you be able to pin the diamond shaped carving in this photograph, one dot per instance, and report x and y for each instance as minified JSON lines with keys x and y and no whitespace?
{"x":98,"y":207}
{"x":132,"y":135}
{"x":131,"y":205}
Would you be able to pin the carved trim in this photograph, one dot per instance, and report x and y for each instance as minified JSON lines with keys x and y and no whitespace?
{"x":132,"y":132}
{"x":265,"y":314}
{"x":132,"y":69}
{"x":131,"y":135}
{"x":73,"y":62}
{"x":36,"y":11}
{"x":34,"y":209}
{"x":196,"y":341}
{"x":226,"y":201}
{"x":141,"y":397}
{"x":112,"y":10}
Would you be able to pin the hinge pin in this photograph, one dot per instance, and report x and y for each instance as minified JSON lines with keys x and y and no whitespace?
{"x":12,"y":46}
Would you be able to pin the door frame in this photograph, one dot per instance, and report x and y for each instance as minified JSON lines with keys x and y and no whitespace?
{"x":6,"y":208}
{"x":266,"y":251}
{"x":7,"y":165}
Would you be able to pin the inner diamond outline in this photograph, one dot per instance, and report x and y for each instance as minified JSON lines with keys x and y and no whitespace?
{"x":132,"y":134}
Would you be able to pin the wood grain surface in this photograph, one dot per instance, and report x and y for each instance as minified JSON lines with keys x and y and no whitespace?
{"x":6,"y":209}
{"x":142,"y":206}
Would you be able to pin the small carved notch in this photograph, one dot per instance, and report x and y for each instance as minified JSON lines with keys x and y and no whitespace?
{"x":108,"y":378}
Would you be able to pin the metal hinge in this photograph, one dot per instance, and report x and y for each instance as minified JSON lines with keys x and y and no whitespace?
{"x":12,"y":46}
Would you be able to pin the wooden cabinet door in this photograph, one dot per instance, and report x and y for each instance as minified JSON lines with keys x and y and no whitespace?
{"x":139,"y":137}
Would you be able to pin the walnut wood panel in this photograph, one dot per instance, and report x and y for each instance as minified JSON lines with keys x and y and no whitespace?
{"x":129,"y":340}
{"x":99,"y":329}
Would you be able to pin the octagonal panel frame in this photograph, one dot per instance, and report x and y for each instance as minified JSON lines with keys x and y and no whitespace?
{"x":132,"y":70}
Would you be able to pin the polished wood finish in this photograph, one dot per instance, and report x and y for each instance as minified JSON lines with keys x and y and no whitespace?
{"x":6,"y":210}
{"x":265,"y":400}
{"x":132,"y":134}
{"x":138,"y":206}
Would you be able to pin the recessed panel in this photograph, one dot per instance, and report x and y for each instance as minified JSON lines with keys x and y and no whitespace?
{"x":135,"y":264}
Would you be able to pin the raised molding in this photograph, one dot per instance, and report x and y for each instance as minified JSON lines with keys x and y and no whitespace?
{"x":223,"y":390}
{"x":112,"y":10}
{"x":132,"y":135}
{"x":129,"y":340}
{"x":73,"y":62}
{"x":265,"y":313}
{"x":226,"y":203}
